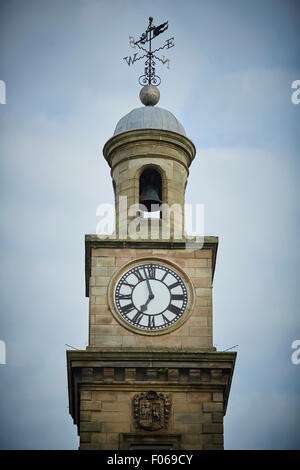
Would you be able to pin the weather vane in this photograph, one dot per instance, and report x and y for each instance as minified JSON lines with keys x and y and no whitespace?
{"x":149,"y":77}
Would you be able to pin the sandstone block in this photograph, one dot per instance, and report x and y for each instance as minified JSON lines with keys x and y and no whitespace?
{"x":203,"y":254}
{"x":195,"y":342}
{"x":109,"y":341}
{"x":217,"y":396}
{"x":212,"y":406}
{"x":98,"y":290}
{"x":101,"y":281}
{"x":189,"y":418}
{"x":200,"y":331}
{"x":90,"y":427}
{"x":104,"y":396}
{"x":112,"y":417}
{"x":85,"y":437}
{"x":122,"y":407}
{"x":213,"y":428}
{"x":217,"y":417}
{"x":101,"y":300}
{"x":85,"y":416}
{"x":115,"y":426}
{"x":85,"y":395}
{"x":195,"y":397}
{"x":90,"y":405}
{"x":196,"y":263}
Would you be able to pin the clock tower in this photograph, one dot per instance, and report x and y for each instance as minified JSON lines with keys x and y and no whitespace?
{"x":150,"y":377}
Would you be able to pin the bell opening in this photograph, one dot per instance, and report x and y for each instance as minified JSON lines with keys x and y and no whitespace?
{"x":150,"y":194}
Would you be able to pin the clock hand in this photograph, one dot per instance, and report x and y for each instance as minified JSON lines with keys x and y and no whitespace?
{"x":144,"y":307}
{"x":151,"y":295}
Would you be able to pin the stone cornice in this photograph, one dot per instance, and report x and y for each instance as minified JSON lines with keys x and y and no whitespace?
{"x":140,"y":354}
{"x":218,"y":365}
{"x":150,"y":136}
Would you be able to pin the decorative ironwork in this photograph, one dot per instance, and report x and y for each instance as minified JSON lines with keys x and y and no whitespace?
{"x":151,"y":410}
{"x":149,"y":77}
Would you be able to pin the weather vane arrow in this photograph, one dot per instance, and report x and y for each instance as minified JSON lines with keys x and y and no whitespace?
{"x":149,"y":77}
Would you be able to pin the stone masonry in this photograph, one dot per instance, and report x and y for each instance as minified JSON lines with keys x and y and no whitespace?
{"x":104,"y":259}
{"x":104,"y":384}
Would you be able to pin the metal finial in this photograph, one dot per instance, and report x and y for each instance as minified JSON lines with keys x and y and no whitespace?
{"x":149,"y":95}
{"x":149,"y":77}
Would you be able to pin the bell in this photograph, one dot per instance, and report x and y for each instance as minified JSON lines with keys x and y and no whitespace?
{"x":148,"y":197}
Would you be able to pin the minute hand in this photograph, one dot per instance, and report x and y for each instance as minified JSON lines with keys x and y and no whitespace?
{"x":151,"y":295}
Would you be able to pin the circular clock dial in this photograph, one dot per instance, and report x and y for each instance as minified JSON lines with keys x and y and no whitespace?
{"x":151,"y":296}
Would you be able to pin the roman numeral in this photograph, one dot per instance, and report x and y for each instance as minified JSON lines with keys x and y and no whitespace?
{"x":177,"y":297}
{"x":124,"y":296}
{"x":138,"y":275}
{"x":166,"y":320}
{"x":164,"y":276}
{"x":127,"y":308}
{"x":151,"y":321}
{"x":137,"y":318}
{"x":151,"y":272}
{"x":174,"y":309}
{"x":125,"y":283}
{"x":176,"y":284}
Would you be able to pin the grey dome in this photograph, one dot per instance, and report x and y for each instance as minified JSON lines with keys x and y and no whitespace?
{"x":149,"y":117}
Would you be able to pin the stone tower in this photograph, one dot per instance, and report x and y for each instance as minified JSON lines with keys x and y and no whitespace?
{"x":150,"y":377}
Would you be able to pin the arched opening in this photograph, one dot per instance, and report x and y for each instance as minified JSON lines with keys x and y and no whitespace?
{"x":150,"y":190}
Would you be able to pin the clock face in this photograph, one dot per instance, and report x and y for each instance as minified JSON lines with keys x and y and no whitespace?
{"x":151,"y":296}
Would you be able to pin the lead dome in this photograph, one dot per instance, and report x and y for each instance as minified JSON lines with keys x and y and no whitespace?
{"x":149,"y":116}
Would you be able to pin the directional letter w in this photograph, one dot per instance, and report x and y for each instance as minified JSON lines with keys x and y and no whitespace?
{"x":131,"y":59}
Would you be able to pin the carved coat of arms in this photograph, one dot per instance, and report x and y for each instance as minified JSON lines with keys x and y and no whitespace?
{"x":151,"y":410}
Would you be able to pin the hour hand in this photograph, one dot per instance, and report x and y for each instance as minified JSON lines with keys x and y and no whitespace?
{"x":145,"y":306}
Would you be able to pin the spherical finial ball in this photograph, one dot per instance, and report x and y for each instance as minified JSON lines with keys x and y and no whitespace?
{"x":149,"y":95}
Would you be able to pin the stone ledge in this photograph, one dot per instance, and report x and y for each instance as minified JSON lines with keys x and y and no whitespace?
{"x":86,"y":372}
{"x":157,"y":354}
{"x":150,"y":137}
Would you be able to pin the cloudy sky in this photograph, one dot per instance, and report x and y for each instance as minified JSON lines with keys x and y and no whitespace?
{"x":229,"y":84}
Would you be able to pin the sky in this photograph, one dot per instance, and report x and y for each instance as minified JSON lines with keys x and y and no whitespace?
{"x":229,"y":84}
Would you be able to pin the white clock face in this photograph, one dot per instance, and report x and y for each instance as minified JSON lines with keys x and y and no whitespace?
{"x":151,"y":296}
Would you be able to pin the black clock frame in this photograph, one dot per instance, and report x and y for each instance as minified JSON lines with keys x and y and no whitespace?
{"x":140,"y":272}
